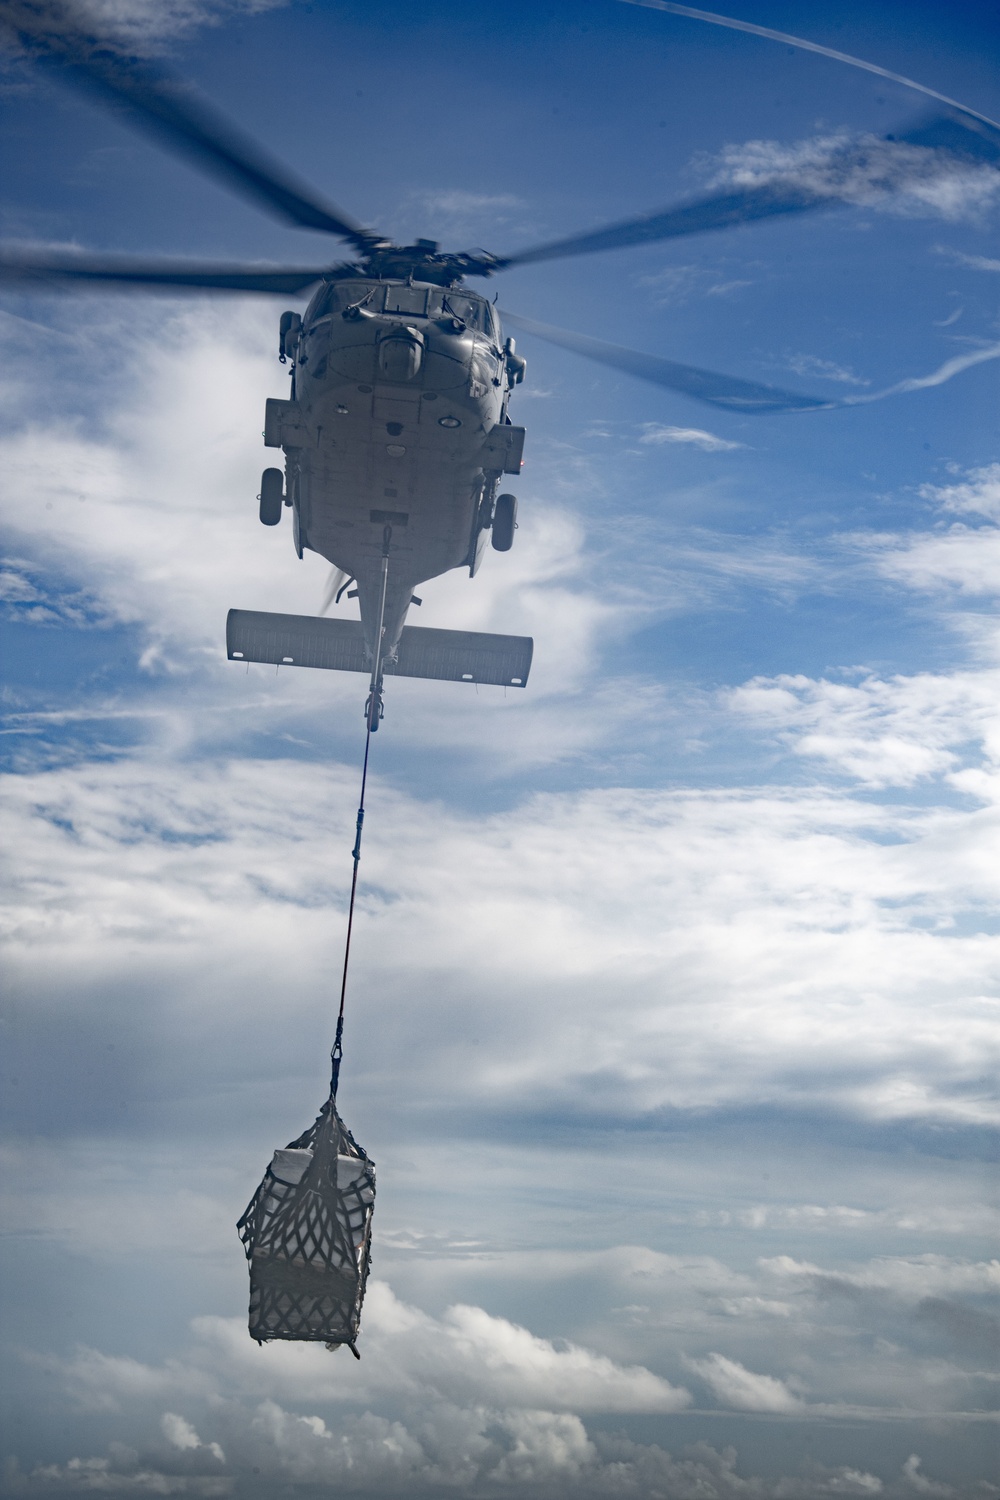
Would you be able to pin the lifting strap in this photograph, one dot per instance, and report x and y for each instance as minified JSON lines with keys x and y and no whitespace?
{"x":371,"y":717}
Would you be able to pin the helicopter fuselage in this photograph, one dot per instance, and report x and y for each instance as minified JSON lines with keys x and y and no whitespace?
{"x":398,"y":419}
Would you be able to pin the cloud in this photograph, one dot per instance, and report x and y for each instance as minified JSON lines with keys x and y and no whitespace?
{"x":530,"y":1371}
{"x":742,"y":1389}
{"x":957,"y":365}
{"x":869,"y":172}
{"x":854,"y":1482}
{"x":110,"y":497}
{"x":913,"y":1277}
{"x":730,"y":927}
{"x":625,"y":999}
{"x":98,"y":1382}
{"x":297,"y":1417}
{"x":545,"y":1447}
{"x":674,"y":285}
{"x":534,"y":1454}
{"x":16,"y":588}
{"x":466,"y":1358}
{"x":904,"y":729}
{"x":962,"y":557}
{"x":882,"y":732}
{"x":919,"y":1482}
{"x":149,"y":27}
{"x":457,"y":213}
{"x":467,"y":1361}
{"x":974,"y":262}
{"x":825,"y":369}
{"x":657,"y":432}
{"x":977,"y":494}
{"x":122,"y":1473}
{"x":180,"y":1434}
{"x":460,"y":201}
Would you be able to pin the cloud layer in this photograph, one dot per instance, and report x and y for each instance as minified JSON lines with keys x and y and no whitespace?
{"x":674,"y":1010}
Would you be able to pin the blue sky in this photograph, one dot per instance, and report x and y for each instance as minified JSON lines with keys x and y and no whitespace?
{"x":672,"y":1019}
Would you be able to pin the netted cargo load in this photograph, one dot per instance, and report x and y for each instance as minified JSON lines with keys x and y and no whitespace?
{"x":307,"y":1236}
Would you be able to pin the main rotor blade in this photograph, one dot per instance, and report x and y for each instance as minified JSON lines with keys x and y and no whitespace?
{"x":46,"y":266}
{"x":704,"y":385}
{"x":701,"y":214}
{"x":872,"y":168}
{"x":62,"y":33}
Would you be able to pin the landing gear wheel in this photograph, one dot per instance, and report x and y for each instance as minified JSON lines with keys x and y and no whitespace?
{"x":374,"y":710}
{"x":504,"y":522}
{"x":272,"y":496}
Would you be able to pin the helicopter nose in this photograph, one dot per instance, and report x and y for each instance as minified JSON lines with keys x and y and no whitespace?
{"x":401,"y":354}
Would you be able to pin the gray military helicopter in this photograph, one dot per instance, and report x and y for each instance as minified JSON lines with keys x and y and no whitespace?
{"x":397,"y":434}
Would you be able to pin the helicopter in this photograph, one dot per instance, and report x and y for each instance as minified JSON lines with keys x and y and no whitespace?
{"x":397,"y":434}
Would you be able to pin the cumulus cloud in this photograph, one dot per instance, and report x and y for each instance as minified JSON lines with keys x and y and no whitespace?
{"x":920,"y":1482}
{"x":180,"y":1434}
{"x":465,"y":1358}
{"x":531,"y":1371}
{"x":743,"y":1389}
{"x":465,"y":1397}
{"x":527,"y":1454}
{"x":295,"y":1416}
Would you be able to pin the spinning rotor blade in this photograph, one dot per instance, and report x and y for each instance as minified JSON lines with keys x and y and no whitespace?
{"x":704,"y":385}
{"x":701,"y":214}
{"x":34,"y":266}
{"x":874,"y":167}
{"x":62,"y":33}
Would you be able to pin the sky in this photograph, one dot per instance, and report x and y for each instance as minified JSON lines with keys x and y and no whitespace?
{"x":672,"y":1017}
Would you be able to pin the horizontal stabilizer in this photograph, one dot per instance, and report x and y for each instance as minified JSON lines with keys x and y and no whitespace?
{"x":338,"y":645}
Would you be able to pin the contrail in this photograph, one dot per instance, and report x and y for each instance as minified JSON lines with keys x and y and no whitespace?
{"x":797,"y":41}
{"x":951,"y":367}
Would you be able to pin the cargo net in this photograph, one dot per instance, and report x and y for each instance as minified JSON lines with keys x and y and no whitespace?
{"x":307,"y":1236}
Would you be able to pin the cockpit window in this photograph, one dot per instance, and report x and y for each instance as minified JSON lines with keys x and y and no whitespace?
{"x":409,"y":300}
{"x":340,"y":294}
{"x":469,"y":309}
{"x":433,"y":302}
{"x":398,"y":299}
